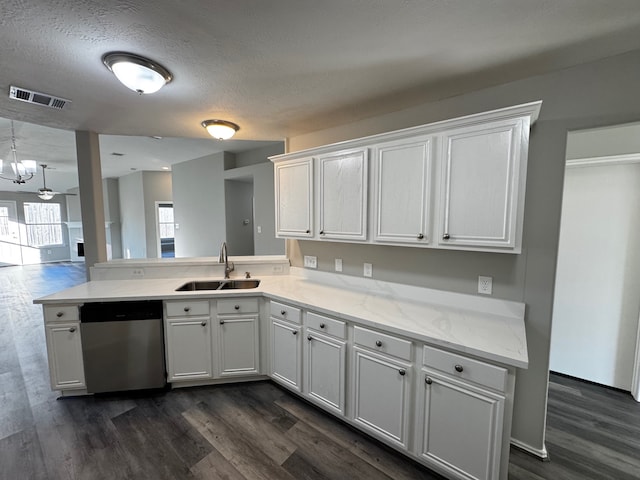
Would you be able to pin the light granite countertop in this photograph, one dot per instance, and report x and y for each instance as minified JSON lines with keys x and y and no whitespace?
{"x":489,"y":328}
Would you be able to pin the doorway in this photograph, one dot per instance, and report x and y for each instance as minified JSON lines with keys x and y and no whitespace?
{"x":597,"y":303}
{"x":239,"y":215}
{"x":10,"y":249}
{"x":166,"y":230}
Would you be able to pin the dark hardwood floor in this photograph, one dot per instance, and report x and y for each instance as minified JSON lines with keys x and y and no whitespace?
{"x":243,"y":431}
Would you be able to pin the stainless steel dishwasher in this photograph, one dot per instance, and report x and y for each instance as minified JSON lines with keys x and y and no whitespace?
{"x":123,"y":345}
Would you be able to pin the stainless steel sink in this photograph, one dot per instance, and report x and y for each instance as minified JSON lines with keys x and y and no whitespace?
{"x":217,"y":285}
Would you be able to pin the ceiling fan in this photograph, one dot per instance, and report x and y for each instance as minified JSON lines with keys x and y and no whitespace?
{"x":46,"y":193}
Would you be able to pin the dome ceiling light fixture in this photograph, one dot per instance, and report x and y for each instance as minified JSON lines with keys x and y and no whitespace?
{"x":137,"y":73}
{"x":220,"y":129}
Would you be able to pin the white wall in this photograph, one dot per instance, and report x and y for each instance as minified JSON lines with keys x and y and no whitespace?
{"x":597,"y":293}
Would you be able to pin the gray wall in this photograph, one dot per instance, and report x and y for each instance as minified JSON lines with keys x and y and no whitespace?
{"x":265,"y":242}
{"x":198,"y":205}
{"x":132,"y":216}
{"x":156,"y":188}
{"x":239,"y":208}
{"x":591,"y":95}
{"x":111,"y":191}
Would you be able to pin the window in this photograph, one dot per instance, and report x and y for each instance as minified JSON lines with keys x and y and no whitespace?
{"x":4,"y":222}
{"x":44,"y":224}
{"x":166,"y":229}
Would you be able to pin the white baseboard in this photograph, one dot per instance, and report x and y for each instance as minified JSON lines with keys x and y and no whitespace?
{"x":541,"y":454}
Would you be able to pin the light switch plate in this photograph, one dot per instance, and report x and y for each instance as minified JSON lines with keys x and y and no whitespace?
{"x":338,"y":265}
{"x":310,"y":261}
{"x":367,"y":270}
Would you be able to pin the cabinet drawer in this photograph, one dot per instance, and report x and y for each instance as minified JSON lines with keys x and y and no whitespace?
{"x":459,"y":366}
{"x":326,"y":325}
{"x":381,"y":342}
{"x":61,"y":313}
{"x":237,"y":305}
{"x":286,"y":312}
{"x":188,"y":308}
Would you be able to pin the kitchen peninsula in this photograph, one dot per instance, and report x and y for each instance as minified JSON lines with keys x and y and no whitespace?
{"x":420,"y":369}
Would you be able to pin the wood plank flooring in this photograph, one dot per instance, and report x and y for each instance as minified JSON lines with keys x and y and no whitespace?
{"x":244,"y":431}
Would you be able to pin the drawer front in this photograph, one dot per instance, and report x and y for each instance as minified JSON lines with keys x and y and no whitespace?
{"x":285,"y":312}
{"x":466,"y":368}
{"x":61,"y":313}
{"x":381,"y":342}
{"x":188,"y":308}
{"x":330,"y":326}
{"x":237,"y":305}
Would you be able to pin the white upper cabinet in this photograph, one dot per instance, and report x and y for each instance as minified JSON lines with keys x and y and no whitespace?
{"x":480,"y":185}
{"x":455,"y":184}
{"x":343,"y":195}
{"x":294,"y":198}
{"x":402,"y":176}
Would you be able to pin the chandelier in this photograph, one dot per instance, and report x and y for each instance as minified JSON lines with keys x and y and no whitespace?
{"x":23,"y":170}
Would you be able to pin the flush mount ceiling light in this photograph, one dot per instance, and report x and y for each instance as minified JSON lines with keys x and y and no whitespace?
{"x":137,"y":73}
{"x":220,"y":129}
{"x":23,"y":170}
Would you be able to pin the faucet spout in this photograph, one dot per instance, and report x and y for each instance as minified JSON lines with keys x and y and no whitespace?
{"x":224,"y":258}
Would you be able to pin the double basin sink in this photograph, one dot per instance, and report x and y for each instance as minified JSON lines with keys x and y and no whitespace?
{"x":199,"y":285}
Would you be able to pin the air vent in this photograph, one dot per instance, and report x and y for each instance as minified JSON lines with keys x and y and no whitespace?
{"x":29,"y":96}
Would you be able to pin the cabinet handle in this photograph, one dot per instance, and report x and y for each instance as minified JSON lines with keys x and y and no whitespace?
{"x":428,"y":381}
{"x":402,"y":372}
{"x":59,"y":314}
{"x":221,"y":322}
{"x":294,"y":332}
{"x":204,"y":324}
{"x":322,"y":325}
{"x":420,"y":236}
{"x":459,"y":368}
{"x":321,"y":232}
{"x":446,"y":236}
{"x":283,"y":312}
{"x":72,"y":329}
{"x":187,"y":309}
{"x":308,"y":231}
{"x":309,"y":337}
{"x":237,"y":307}
{"x":378,"y":343}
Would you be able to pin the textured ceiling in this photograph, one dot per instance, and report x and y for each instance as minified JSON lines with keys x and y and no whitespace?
{"x":280,"y":68}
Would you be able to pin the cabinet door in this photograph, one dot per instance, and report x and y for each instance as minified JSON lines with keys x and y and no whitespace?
{"x":481,"y":183}
{"x":64,"y":348}
{"x":325,"y":371}
{"x":343,"y":195}
{"x":294,"y":194}
{"x":381,"y":396}
{"x":403,"y":191}
{"x":286,"y":354}
{"x":460,"y":427}
{"x":238,"y":346}
{"x":189,"y":349}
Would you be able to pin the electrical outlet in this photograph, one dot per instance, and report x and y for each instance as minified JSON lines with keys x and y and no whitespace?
{"x":138,"y":273}
{"x":310,"y":261}
{"x":485,"y":285}
{"x":259,"y":229}
{"x":368,"y":270}
{"x":338,"y":265}
{"x":278,"y":269}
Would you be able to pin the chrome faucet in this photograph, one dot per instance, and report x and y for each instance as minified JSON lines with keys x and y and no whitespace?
{"x":228,"y":266}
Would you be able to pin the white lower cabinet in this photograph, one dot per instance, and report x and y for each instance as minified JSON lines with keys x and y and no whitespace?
{"x":325,"y":368}
{"x":238,"y":337}
{"x":381,"y":393}
{"x":64,"y":349}
{"x":286,"y":353}
{"x":188,"y":340}
{"x":459,"y":419}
